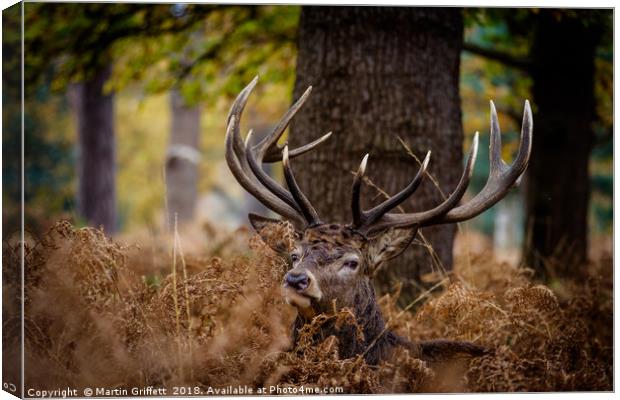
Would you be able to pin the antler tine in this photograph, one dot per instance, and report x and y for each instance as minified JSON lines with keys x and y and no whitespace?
{"x":364,"y":219}
{"x":270,"y":143}
{"x":525,"y":141}
{"x":307,"y":210}
{"x":271,"y":151}
{"x":236,"y":110}
{"x":356,"y":209}
{"x":379,"y":211}
{"x":238,"y":167}
{"x":264,"y":178}
{"x":242,"y":98}
{"x":501,"y":177}
{"x":495,"y":142}
{"x":274,"y":153}
{"x":423,"y":218}
{"x":268,"y":149}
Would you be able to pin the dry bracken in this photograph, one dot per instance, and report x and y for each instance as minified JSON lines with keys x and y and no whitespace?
{"x":94,"y":317}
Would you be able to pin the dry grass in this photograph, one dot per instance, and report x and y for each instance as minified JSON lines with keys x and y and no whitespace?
{"x":102,"y":314}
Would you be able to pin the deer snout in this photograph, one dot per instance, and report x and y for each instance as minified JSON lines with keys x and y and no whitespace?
{"x":297,"y":280}
{"x":300,"y":288}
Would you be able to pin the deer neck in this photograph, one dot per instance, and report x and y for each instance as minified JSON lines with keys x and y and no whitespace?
{"x":377,"y":342}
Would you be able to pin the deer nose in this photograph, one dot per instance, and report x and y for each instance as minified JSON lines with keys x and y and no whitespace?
{"x":298,"y":281}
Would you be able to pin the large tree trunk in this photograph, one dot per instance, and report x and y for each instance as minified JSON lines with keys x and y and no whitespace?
{"x":182,"y":160}
{"x":96,"y":166}
{"x":380,"y":73}
{"x":558,"y":183}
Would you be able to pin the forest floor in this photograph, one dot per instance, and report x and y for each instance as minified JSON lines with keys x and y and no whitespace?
{"x":178,"y":313}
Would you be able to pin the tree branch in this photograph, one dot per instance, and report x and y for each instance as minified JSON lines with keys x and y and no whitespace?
{"x":216,"y":48}
{"x":522,"y":63}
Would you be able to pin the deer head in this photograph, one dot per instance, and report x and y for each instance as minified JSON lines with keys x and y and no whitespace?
{"x":335,"y":262}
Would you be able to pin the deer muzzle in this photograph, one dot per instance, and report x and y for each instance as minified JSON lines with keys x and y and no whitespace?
{"x":297,"y":281}
{"x":300,"y":288}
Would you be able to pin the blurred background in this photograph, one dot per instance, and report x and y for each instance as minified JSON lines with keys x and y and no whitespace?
{"x":126,"y":107}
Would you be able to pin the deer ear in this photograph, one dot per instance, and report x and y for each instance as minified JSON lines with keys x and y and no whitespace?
{"x":275,"y":233}
{"x":389,"y":244}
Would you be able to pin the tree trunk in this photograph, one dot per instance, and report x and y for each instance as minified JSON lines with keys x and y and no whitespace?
{"x":182,"y":160}
{"x":96,"y":166}
{"x":558,"y":183}
{"x":379,"y":73}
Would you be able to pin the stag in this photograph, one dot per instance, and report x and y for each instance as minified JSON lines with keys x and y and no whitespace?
{"x":334,"y":264}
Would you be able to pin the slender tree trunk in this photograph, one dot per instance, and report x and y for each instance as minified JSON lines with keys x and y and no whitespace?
{"x":379,"y":73}
{"x":96,"y":166}
{"x":182,"y":160}
{"x":558,"y":182}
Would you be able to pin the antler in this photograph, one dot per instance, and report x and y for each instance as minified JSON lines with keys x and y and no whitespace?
{"x":362,"y":219}
{"x":245,"y":159}
{"x":501,"y":178}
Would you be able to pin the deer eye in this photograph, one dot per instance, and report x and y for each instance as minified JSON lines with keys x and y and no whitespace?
{"x":294,"y":257}
{"x":351,"y":264}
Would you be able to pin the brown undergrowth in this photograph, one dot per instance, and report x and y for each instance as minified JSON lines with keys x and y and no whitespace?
{"x":96,"y":317}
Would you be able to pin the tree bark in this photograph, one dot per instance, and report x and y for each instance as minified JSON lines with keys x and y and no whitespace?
{"x":379,"y":73}
{"x":182,"y":160}
{"x":558,"y":182}
{"x":96,"y":166}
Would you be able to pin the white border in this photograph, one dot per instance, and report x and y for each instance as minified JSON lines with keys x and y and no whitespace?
{"x":459,"y":3}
